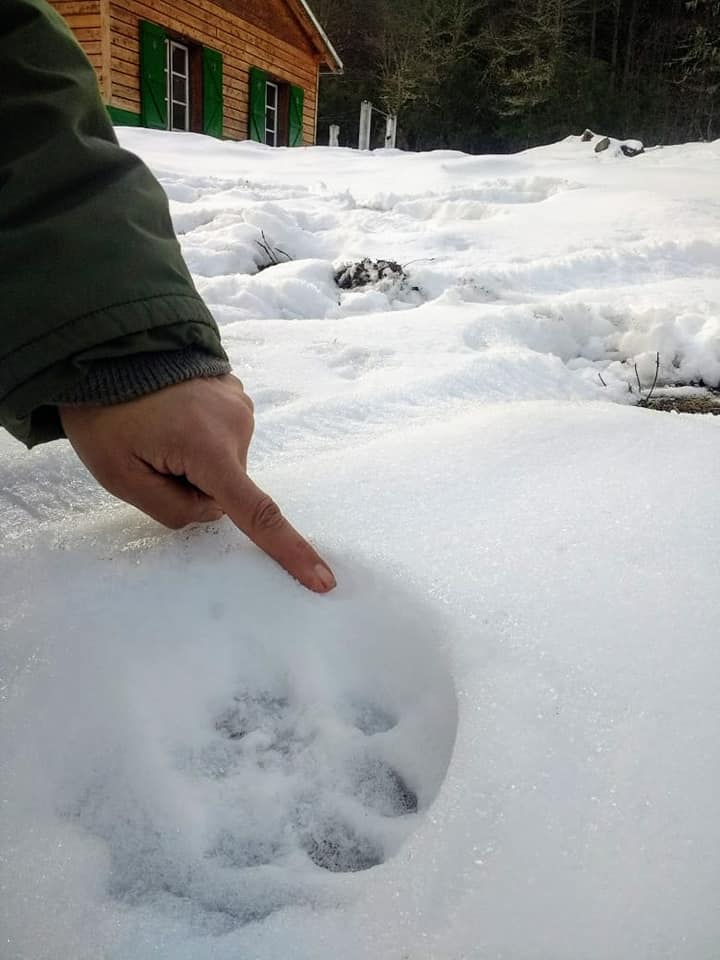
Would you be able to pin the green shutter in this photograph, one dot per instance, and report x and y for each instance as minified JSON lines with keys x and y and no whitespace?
{"x":212,"y":92}
{"x":153,"y":82}
{"x":297,"y":108}
{"x":256,"y":113}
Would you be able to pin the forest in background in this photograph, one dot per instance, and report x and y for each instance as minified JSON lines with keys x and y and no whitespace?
{"x":502,"y":75}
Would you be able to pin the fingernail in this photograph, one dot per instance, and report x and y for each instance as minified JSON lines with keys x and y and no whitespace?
{"x":325,"y":577}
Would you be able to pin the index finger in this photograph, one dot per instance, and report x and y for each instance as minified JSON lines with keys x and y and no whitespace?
{"x":258,"y":516}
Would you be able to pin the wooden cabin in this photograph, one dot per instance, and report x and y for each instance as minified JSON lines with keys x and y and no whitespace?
{"x":240,"y":69}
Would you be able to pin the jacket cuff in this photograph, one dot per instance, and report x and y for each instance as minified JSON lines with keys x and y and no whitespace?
{"x":121,"y":379}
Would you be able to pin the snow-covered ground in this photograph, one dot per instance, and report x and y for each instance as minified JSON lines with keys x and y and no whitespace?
{"x":498,"y":738}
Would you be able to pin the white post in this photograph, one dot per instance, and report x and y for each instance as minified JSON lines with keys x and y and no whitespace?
{"x":334,"y":135}
{"x":365,"y":125}
{"x":391,"y":132}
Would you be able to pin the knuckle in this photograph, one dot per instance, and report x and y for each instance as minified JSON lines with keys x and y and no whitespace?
{"x":182,"y":514}
{"x":174,"y":521}
{"x":199,"y":513}
{"x":246,"y":413}
{"x":267,"y":515}
{"x":211,"y":514}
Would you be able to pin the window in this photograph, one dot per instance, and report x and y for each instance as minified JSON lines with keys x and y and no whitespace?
{"x":275,"y":110}
{"x":271,"y":114}
{"x":181,"y":83}
{"x":178,"y":93}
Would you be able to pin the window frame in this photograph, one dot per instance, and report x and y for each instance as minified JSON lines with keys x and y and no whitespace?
{"x":172,"y":101}
{"x":275,"y":110}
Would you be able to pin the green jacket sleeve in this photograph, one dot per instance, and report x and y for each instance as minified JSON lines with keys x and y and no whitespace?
{"x":90,"y":268}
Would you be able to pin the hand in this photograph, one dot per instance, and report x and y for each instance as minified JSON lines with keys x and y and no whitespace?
{"x":180,"y":455}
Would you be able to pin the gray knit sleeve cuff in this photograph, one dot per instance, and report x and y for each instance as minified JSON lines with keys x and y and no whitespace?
{"x":126,"y":378}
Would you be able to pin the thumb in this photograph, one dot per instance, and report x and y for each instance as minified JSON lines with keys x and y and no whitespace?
{"x":260,"y":518}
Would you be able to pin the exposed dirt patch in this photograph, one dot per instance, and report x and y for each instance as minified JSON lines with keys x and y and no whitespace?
{"x":685,"y":403}
{"x":365,"y":272}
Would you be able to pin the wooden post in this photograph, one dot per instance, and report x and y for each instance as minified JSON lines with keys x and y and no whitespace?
{"x":365,"y":125}
{"x":390,"y":132}
{"x":334,"y":135}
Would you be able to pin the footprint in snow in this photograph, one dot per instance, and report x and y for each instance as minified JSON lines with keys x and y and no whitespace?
{"x":269,"y":732}
{"x":253,"y":754}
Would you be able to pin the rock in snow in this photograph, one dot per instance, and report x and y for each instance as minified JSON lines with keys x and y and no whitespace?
{"x":625,"y":148}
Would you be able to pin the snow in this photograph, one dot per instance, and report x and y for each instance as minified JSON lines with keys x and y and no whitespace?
{"x":498,"y":737}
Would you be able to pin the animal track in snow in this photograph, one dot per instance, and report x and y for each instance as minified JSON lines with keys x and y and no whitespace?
{"x":241,"y":770}
{"x":269,"y":732}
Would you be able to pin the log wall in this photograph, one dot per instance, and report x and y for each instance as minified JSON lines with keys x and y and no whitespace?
{"x":85,"y":19}
{"x":274,"y":42}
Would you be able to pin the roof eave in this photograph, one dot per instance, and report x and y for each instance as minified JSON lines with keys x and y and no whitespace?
{"x":334,"y":61}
